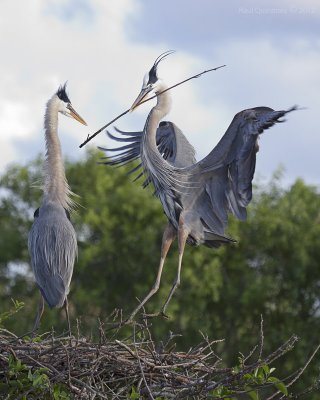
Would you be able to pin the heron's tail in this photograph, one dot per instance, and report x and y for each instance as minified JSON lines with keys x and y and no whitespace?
{"x":54,"y":292}
{"x":212,"y":239}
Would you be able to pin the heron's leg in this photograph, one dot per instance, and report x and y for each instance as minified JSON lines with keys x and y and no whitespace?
{"x":66,"y":307}
{"x":168,"y":237}
{"x":39,"y":314}
{"x":183,"y":233}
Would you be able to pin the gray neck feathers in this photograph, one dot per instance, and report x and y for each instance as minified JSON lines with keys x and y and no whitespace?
{"x":155,"y":166}
{"x":56,"y":187}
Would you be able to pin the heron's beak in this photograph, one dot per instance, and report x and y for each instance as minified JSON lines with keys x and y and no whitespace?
{"x":143,"y":95}
{"x":75,"y":115}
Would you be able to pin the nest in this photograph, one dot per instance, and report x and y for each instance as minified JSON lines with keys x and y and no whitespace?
{"x":136,"y":367}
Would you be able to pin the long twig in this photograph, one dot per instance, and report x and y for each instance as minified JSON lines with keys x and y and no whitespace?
{"x":144,"y":101}
{"x":297,"y":376}
{"x":261,"y":338}
{"x":140,"y":365}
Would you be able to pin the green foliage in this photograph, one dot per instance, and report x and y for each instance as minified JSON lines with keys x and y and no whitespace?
{"x":250,"y":384}
{"x":17,"y":306}
{"x":222,"y":392}
{"x":272,"y":271}
{"x":26,"y":384}
{"x":260,"y":377}
{"x":20,"y":381}
{"x":134,"y":395}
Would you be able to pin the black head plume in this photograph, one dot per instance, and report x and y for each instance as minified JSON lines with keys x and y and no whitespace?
{"x":153,"y":77}
{"x":62,"y":94}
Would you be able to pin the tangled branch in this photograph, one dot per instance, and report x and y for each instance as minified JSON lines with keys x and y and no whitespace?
{"x":114,"y":368}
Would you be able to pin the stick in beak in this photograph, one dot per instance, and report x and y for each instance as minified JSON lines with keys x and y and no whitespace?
{"x":142,"y":96}
{"x":75,"y":115}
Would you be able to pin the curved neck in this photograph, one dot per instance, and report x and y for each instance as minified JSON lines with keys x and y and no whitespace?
{"x":155,"y":166}
{"x":159,"y":111}
{"x":55,"y":186}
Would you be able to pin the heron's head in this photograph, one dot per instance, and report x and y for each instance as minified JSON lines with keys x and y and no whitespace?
{"x":65,"y":106}
{"x":151,"y":82}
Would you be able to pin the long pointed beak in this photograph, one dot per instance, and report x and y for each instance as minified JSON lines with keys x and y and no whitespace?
{"x":142,"y":96}
{"x":75,"y":115}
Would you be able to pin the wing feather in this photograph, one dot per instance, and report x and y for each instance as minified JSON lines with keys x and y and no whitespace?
{"x":227,"y":172}
{"x":171,"y":142}
{"x":52,"y":245}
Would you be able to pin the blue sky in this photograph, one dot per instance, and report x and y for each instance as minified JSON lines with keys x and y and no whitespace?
{"x":103,"y":48}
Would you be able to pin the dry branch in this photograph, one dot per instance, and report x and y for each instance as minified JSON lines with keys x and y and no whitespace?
{"x":110,"y":369}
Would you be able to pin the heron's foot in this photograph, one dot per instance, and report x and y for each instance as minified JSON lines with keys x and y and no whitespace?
{"x":33,"y":334}
{"x":30,"y":335}
{"x":158,"y":314}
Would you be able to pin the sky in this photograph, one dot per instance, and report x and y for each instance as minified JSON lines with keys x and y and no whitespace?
{"x":103,"y":48}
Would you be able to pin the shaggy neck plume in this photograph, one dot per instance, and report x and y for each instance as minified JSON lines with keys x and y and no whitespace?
{"x":155,"y":166}
{"x":56,"y":187}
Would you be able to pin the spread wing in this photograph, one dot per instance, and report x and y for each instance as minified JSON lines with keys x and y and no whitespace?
{"x":226,"y":173}
{"x":172,"y":145}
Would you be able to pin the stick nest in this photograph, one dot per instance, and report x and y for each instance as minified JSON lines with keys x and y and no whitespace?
{"x":136,"y":367}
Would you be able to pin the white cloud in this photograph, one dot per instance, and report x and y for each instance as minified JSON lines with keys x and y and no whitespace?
{"x":15,"y":124}
{"x":103,"y":68}
{"x":263,"y":74}
{"x":87,"y":42}
{"x":14,"y":120}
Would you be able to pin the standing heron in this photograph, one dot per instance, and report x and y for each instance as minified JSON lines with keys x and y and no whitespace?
{"x":197,"y":198}
{"x":52,"y":240}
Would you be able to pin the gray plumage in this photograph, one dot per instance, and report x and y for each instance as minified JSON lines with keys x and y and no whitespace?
{"x":52,"y":239}
{"x":53,"y":247}
{"x":197,"y":197}
{"x":171,"y":143}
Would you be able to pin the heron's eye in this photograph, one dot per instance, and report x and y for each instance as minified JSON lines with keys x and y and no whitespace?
{"x":149,"y":87}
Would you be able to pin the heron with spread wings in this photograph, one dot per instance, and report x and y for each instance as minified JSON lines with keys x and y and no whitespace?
{"x":196,"y":196}
{"x":52,"y":240}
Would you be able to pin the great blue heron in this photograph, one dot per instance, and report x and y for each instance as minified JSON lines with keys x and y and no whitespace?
{"x":52,"y":240}
{"x":196,"y":198}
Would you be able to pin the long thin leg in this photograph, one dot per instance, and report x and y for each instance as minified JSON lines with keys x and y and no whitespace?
{"x":182,"y":238}
{"x":39,"y":314}
{"x":168,"y":237}
{"x":66,"y":307}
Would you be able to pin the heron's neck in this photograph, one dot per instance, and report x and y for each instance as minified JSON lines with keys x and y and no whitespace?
{"x":55,"y":186}
{"x":158,"y":112}
{"x":156,"y":167}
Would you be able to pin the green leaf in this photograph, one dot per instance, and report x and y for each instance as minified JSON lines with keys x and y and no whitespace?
{"x":282,"y":387}
{"x":253,"y":395}
{"x":39,"y":380}
{"x":279,"y":385}
{"x":236,"y":369}
{"x":134,"y":395}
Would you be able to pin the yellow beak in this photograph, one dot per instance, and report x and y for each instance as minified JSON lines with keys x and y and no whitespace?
{"x":75,"y":115}
{"x":143,"y":95}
